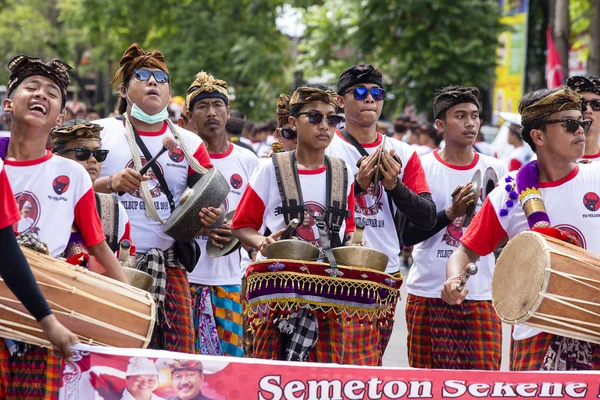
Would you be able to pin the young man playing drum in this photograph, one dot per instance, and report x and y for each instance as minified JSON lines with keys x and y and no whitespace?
{"x":60,"y":193}
{"x":145,"y":96}
{"x":313,"y":117}
{"x":403,"y":186}
{"x":475,"y":341}
{"x":216,"y":282}
{"x":554,"y":127}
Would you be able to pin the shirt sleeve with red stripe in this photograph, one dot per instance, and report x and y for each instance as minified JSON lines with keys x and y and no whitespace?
{"x":87,"y":219}
{"x":350,"y":222}
{"x":250,"y":211}
{"x":485,"y":231}
{"x":414,"y":176}
{"x":201,"y":154}
{"x":9,"y":212}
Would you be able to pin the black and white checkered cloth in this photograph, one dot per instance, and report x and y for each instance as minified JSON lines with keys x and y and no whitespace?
{"x":301,"y":333}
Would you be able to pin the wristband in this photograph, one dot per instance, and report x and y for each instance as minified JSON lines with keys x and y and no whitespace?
{"x":109,"y":182}
{"x":252,"y":250}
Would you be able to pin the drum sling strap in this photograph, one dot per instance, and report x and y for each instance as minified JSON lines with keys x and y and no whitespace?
{"x":288,"y":182}
{"x":396,"y":215}
{"x":108,"y":210}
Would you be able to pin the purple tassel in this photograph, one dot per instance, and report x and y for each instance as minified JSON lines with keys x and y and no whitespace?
{"x":508,"y":179}
{"x":508,"y":187}
{"x":513,"y":195}
{"x":503,"y":212}
{"x":509,"y":203}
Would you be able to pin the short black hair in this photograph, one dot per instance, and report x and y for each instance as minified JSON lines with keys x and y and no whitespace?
{"x":527,"y":100}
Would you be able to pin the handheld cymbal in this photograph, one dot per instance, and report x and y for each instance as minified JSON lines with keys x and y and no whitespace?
{"x":476,"y":180}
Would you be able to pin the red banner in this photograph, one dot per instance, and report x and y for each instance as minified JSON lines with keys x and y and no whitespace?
{"x":114,"y":374}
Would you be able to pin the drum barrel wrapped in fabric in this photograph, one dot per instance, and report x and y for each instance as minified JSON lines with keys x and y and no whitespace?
{"x":549,"y":285}
{"x":99,"y":310}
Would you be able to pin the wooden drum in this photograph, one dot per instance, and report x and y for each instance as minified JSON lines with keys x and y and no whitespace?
{"x":98,"y":309}
{"x":549,"y":285}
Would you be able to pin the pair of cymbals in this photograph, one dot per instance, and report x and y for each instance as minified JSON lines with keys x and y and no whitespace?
{"x":489,"y":181}
{"x":228,"y":248}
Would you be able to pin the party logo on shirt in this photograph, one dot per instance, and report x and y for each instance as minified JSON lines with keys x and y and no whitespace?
{"x":454,"y":232}
{"x":369,"y":202}
{"x":573,"y":233}
{"x":591,"y":201}
{"x":29,"y":207}
{"x":236,"y":181}
{"x":176,"y":155}
{"x":60,"y":184}
{"x":153,"y":184}
{"x":307,"y":230}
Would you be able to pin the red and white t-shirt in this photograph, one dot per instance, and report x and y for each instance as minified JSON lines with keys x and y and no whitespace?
{"x":237,"y":165}
{"x":519,"y":156}
{"x":428,"y":273}
{"x":572,"y":203}
{"x":53,"y":193}
{"x":372,"y":205}
{"x":590,"y":157}
{"x":261,"y":200}
{"x":9,"y":212}
{"x":146,"y":232}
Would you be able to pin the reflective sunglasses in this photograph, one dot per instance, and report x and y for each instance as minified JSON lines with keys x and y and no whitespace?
{"x":315,"y":118}
{"x":145,"y":74}
{"x":82,"y":154}
{"x":361,"y":93}
{"x":594,"y":104}
{"x":289,"y":133}
{"x":570,"y":124}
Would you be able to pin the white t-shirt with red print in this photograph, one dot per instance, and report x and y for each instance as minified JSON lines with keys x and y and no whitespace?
{"x":56,"y":193}
{"x":572,"y":203}
{"x":261,"y":200}
{"x":519,"y":156}
{"x":372,"y":206}
{"x":237,"y":165}
{"x":428,"y":273}
{"x":9,"y":212}
{"x":146,"y":232}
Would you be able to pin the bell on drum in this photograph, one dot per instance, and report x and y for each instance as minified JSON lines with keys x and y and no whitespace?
{"x":210,"y":191}
{"x":549,"y":285}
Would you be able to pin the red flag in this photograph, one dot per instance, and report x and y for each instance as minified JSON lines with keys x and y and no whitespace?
{"x":555,"y":75}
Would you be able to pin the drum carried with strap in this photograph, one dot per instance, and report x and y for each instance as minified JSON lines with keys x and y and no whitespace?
{"x":352,"y":310}
{"x":99,"y":310}
{"x":549,"y":285}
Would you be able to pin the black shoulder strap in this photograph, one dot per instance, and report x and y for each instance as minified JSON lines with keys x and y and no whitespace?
{"x":157,"y":172}
{"x":352,"y":140}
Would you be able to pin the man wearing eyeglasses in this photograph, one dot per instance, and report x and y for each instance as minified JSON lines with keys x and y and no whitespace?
{"x":132,"y":140}
{"x":565,"y":196}
{"x":79,"y":140}
{"x":402,"y":188}
{"x":215,"y":283}
{"x":589,"y":88}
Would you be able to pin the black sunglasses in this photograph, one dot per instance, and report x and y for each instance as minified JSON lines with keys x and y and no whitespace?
{"x":143,"y":75}
{"x":570,"y":124}
{"x":288,"y":133}
{"x":315,"y":118}
{"x":361,"y":93}
{"x":82,"y":154}
{"x":594,"y":104}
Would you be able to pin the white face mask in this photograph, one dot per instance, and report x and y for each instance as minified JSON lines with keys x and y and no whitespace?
{"x":140,"y":115}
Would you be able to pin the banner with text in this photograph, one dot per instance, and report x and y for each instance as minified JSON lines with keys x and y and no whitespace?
{"x":114,"y":374}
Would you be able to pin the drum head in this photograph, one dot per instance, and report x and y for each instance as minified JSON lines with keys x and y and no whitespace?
{"x":520,"y":277}
{"x":228,"y":248}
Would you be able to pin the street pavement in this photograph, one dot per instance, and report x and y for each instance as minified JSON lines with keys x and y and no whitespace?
{"x":395,"y":354}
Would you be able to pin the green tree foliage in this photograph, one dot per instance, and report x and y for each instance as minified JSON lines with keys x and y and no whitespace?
{"x":420,"y":45}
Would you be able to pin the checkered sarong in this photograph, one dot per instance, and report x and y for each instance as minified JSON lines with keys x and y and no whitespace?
{"x":174,"y":329}
{"x":468,"y":336}
{"x":362,"y":341}
{"x":33,"y":375}
{"x":299,"y":334}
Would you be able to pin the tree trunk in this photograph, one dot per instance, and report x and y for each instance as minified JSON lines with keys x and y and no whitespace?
{"x":594,"y":58}
{"x":562,"y":32}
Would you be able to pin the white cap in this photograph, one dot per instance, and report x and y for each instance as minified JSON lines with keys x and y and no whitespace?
{"x":141,"y":366}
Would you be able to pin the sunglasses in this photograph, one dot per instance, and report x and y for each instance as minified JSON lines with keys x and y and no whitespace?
{"x":145,"y":74}
{"x":594,"y":104}
{"x":571,"y":125}
{"x":315,"y":118}
{"x":289,"y":133}
{"x":361,"y":93}
{"x":82,"y":154}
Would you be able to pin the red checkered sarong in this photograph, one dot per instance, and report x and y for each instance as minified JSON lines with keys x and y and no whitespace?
{"x":468,"y":336}
{"x":528,"y":354}
{"x":178,"y":329}
{"x":34,"y":375}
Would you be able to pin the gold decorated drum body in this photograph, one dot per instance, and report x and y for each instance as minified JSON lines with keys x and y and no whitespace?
{"x":98,"y":309}
{"x":549,"y":285}
{"x":354,"y":308}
